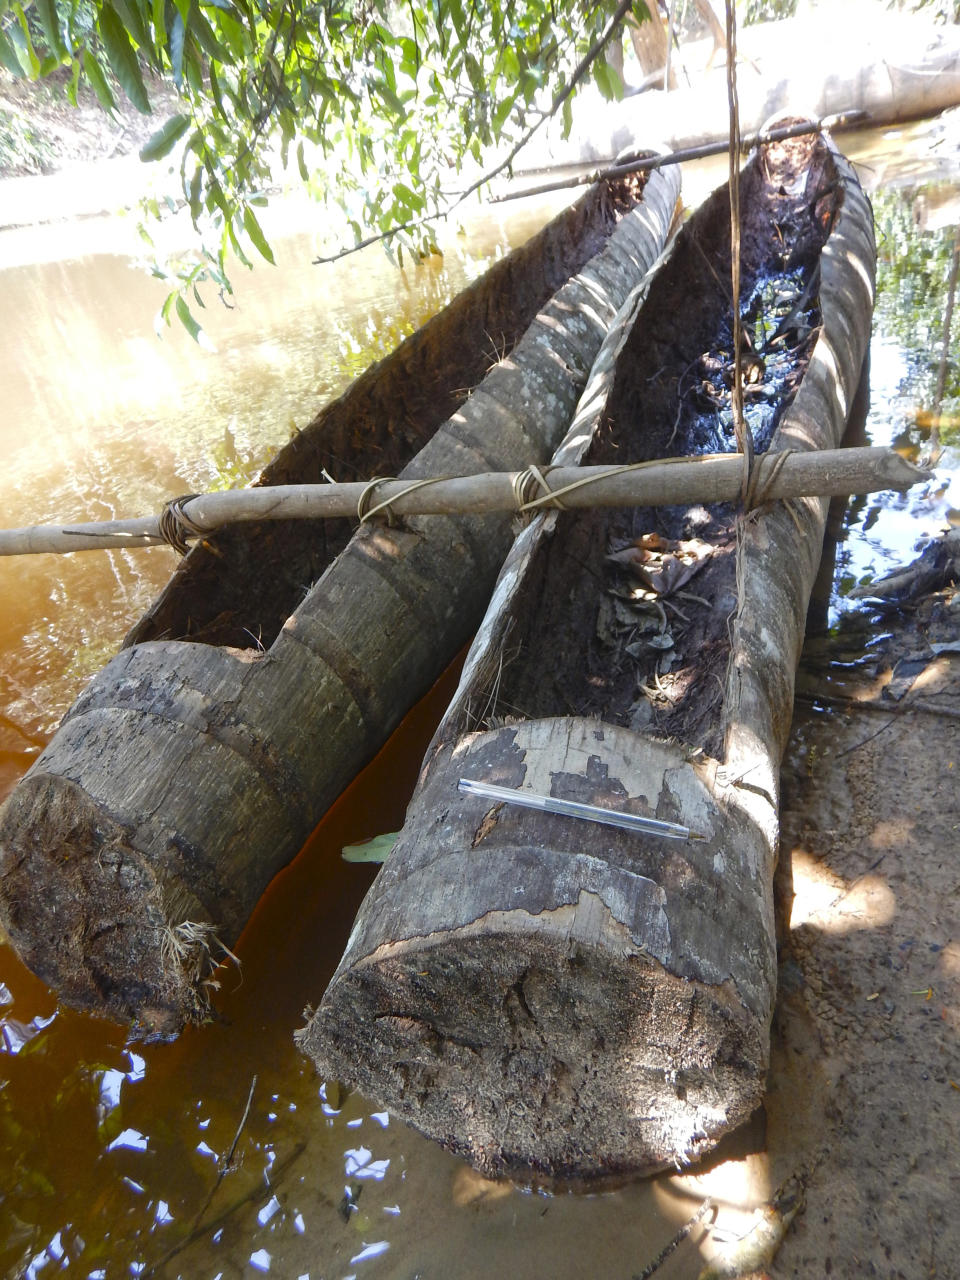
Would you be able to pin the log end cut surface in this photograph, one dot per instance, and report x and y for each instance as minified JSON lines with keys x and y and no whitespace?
{"x":544,"y":1058}
{"x":556,"y":1001}
{"x":83,"y":909}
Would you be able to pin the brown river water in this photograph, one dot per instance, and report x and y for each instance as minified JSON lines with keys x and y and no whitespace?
{"x":222,"y":1154}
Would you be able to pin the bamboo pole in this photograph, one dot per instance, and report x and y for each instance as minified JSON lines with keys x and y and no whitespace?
{"x":709,"y":478}
{"x":851,"y":119}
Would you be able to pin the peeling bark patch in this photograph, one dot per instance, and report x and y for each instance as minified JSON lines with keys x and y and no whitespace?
{"x":490,"y":820}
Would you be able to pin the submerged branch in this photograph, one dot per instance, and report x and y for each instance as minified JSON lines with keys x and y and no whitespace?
{"x":843,"y":119}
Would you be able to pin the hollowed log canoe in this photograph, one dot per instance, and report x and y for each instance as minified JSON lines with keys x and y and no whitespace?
{"x":559,"y":1002}
{"x":280,"y":657}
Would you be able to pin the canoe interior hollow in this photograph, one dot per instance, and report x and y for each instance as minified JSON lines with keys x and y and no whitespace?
{"x":588,"y":637}
{"x":238,"y":586}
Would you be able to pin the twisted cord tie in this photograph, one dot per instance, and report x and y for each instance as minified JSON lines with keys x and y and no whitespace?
{"x":532,"y":492}
{"x":366,"y":512}
{"x":176,"y":526}
{"x":763,"y":471}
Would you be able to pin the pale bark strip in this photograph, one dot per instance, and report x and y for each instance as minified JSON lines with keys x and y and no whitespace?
{"x":777,"y":567}
{"x":186,"y":775}
{"x":708,"y":478}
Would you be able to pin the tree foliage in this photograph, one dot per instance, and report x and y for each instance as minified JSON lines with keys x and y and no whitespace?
{"x":912,"y":292}
{"x":378,"y":106}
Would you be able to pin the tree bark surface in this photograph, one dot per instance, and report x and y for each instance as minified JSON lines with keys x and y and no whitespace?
{"x":187,"y":775}
{"x":558,"y":1002}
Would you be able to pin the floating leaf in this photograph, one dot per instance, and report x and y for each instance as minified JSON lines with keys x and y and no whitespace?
{"x":376,"y":850}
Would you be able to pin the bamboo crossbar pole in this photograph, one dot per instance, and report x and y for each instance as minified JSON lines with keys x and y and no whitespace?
{"x":780,"y":133}
{"x":709,"y":478}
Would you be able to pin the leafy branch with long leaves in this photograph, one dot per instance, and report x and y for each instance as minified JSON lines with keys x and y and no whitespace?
{"x":378,"y":108}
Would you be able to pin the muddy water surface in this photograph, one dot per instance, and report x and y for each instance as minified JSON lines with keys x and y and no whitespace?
{"x":222,"y":1154}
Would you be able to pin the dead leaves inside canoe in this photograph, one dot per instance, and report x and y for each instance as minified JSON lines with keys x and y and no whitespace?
{"x":629,"y":620}
{"x":652,"y":615}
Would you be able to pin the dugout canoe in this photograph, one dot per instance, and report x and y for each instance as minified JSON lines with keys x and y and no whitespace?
{"x":558,"y":1001}
{"x":279,"y":659}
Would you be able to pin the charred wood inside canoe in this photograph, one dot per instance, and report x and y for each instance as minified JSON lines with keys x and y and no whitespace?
{"x":562,"y":1002}
{"x":630,"y":618}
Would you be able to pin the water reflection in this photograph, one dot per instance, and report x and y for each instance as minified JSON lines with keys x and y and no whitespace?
{"x":146,"y":1161}
{"x":100,"y":419}
{"x":914,"y":386}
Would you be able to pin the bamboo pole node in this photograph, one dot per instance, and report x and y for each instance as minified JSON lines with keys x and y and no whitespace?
{"x":175,"y":526}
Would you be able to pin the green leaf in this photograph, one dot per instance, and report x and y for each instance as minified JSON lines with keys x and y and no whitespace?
{"x":301,"y":162}
{"x":190,"y":324}
{"x":123,"y":59}
{"x":165,"y":139}
{"x":567,"y":117}
{"x":194,"y":67}
{"x":254,"y":231}
{"x":477,"y":82}
{"x":98,"y":81}
{"x":390,"y":98}
{"x":24,"y":45}
{"x":501,"y":114}
{"x":71,"y":89}
{"x":175,"y":49}
{"x":216,"y":90}
{"x":607,"y":80}
{"x":237,"y":246}
{"x":130,"y":15}
{"x":235,"y":34}
{"x":408,"y":198}
{"x":376,"y":850}
{"x":8,"y":56}
{"x":410,"y":59}
{"x":47,"y":13}
{"x":193,"y":193}
{"x":455,"y":9}
{"x":201,"y":30}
